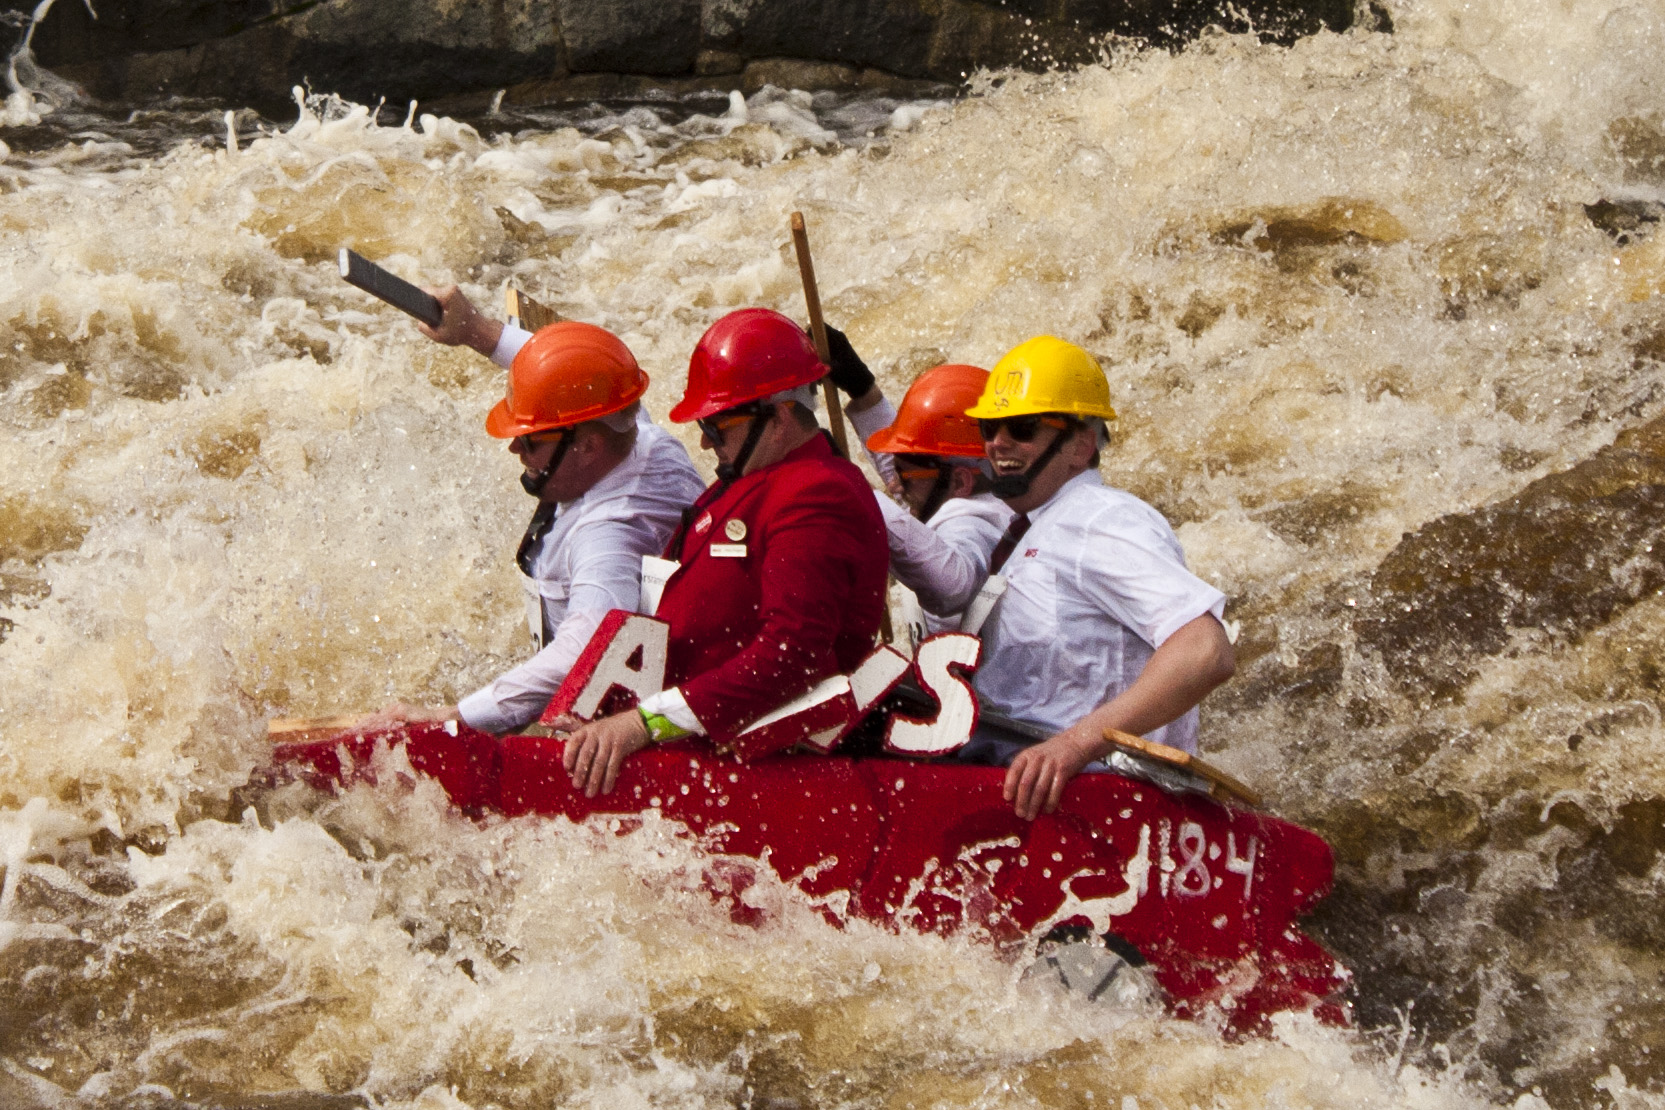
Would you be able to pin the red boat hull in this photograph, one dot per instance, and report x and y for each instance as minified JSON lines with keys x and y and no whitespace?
{"x":1210,"y":895}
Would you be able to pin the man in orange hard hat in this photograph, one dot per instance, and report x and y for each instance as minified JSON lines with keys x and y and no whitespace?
{"x":781,"y":579}
{"x":940,"y":550}
{"x":931,"y":459}
{"x":611,"y":487}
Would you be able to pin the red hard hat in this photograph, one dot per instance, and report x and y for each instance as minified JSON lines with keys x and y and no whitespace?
{"x":746,"y":356}
{"x":566,"y":374}
{"x":932,"y":419}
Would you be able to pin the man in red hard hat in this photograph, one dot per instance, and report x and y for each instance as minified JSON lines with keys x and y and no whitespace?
{"x":783,"y":559}
{"x":611,"y":487}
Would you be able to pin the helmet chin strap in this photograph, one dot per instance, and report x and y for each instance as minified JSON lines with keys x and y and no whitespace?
{"x":729,"y":471}
{"x":534,"y":482}
{"x":1008,"y":486}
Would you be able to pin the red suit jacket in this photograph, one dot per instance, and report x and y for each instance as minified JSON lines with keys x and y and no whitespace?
{"x":749,"y":632}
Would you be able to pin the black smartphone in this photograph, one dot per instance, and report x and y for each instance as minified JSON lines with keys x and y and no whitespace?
{"x":396,"y":291}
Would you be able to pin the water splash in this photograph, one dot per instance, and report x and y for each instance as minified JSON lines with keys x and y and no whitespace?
{"x":1353,"y":303}
{"x":35,"y":92}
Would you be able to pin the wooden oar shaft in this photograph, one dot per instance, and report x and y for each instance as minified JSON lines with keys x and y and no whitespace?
{"x":818,"y":330}
{"x":835,"y":410}
{"x":1185,"y":761}
{"x":286,"y":727}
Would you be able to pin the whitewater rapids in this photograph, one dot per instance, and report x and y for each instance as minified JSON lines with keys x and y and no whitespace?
{"x":1343,"y":290}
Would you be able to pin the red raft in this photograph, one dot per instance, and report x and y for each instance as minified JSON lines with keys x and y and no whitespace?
{"x":1207,"y":893}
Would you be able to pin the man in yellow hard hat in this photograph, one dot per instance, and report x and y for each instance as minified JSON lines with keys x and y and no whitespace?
{"x":1101,"y":626}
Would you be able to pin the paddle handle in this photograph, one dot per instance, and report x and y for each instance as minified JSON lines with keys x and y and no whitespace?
{"x":1219,"y":781}
{"x":818,"y":330}
{"x":526,"y":312}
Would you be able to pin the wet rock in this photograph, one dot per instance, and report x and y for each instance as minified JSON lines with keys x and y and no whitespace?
{"x":1565,"y":555}
{"x":710,"y":62}
{"x":1625,"y":220}
{"x":151,"y":26}
{"x":630,"y":36}
{"x":890,"y":34}
{"x":1166,"y":22}
{"x":972,"y":36}
{"x":791,"y":73}
{"x":253,"y":51}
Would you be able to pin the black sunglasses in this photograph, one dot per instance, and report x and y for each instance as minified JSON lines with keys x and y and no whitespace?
{"x":531,"y":441}
{"x":1020,"y":428}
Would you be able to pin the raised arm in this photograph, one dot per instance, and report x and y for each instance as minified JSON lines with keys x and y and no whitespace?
{"x":462,"y":324}
{"x":944,"y":566}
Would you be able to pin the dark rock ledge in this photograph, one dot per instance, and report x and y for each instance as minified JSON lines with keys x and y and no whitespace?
{"x":253,"y":51}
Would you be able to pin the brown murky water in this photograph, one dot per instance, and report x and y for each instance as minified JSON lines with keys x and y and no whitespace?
{"x":1380,"y":353}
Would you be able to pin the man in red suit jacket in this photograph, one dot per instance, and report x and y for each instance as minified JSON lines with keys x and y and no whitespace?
{"x":783,"y":559}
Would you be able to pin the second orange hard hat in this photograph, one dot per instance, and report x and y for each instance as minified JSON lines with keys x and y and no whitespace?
{"x":932,"y":419}
{"x":566,"y":374}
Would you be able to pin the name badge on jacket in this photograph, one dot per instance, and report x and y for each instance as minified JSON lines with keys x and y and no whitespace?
{"x":728,"y":551}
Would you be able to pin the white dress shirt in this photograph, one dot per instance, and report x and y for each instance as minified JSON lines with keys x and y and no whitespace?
{"x":868,"y":421}
{"x":590,"y":561}
{"x":1092,"y":590}
{"x":945,"y":560}
{"x":509,"y":345}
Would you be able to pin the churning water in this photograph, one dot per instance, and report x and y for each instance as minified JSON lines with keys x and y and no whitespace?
{"x":1384,"y":316}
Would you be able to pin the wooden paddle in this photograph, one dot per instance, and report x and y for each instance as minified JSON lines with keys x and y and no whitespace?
{"x":835,"y":410}
{"x":286,"y":730}
{"x":818,"y":331}
{"x":1218,"y":781}
{"x":307,"y":728}
{"x":526,"y":312}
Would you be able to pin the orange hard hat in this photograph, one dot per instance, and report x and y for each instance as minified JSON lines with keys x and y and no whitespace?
{"x":566,"y":374}
{"x":932,"y":419}
{"x":747,"y":355}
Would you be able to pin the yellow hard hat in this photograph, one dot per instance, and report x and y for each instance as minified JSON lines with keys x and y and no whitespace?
{"x":1045,"y":374}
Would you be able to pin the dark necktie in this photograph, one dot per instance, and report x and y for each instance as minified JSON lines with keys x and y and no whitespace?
{"x":1008,"y":541}
{"x":535,"y":531}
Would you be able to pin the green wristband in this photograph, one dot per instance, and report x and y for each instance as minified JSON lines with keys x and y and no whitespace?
{"x":661,"y":728}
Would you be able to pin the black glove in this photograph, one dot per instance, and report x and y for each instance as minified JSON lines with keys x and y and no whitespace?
{"x":848,"y":372}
